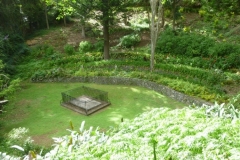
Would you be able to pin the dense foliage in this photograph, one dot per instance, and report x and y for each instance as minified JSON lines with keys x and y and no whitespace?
{"x":129,"y":40}
{"x":12,"y":51}
{"x":220,"y":55}
{"x":195,"y":79}
{"x":196,"y":62}
{"x":12,"y":48}
{"x":208,"y":132}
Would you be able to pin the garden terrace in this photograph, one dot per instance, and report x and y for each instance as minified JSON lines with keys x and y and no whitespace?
{"x":85,"y":100}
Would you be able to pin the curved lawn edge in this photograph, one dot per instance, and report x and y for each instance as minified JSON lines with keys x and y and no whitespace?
{"x":136,"y":82}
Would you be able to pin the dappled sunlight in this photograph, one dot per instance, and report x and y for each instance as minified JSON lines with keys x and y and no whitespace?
{"x":135,"y":90}
{"x":50,"y":115}
{"x":147,"y":108}
{"x":117,"y":118}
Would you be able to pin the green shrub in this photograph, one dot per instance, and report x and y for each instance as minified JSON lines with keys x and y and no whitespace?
{"x":19,"y":137}
{"x":236,"y":101}
{"x":233,"y":60}
{"x":131,"y":56}
{"x":42,"y":51}
{"x":129,"y":40}
{"x":12,"y":51}
{"x":85,"y":46}
{"x":55,"y":72}
{"x":205,"y":132}
{"x":182,"y":43}
{"x":49,"y":51}
{"x":69,"y":49}
{"x":8,"y":88}
{"x":223,"y":49}
{"x":227,"y":62}
{"x":99,"y":46}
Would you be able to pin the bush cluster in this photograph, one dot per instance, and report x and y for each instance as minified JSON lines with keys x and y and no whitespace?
{"x":12,"y":51}
{"x":129,"y":41}
{"x":42,"y":51}
{"x":183,"y":43}
{"x":130,"y":56}
{"x":222,"y":55}
{"x":99,"y":46}
{"x":69,"y":49}
{"x":85,"y":46}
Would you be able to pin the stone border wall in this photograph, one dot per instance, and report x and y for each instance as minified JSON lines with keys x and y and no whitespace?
{"x":136,"y":82}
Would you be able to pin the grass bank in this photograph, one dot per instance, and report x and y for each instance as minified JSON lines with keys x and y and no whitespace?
{"x":37,"y":107}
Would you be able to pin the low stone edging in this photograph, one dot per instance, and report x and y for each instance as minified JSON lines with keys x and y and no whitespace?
{"x":137,"y":82}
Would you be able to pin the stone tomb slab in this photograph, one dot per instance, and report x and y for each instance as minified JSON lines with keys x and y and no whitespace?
{"x":85,"y":102}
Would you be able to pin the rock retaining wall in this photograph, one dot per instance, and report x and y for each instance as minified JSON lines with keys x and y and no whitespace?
{"x":137,"y":82}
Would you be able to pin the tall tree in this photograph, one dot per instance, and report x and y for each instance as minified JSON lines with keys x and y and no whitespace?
{"x":46,"y":14}
{"x":64,"y":8}
{"x":10,"y":16}
{"x":105,"y":22}
{"x":33,"y":15}
{"x":84,"y":10}
{"x":172,"y":5}
{"x":102,"y":10}
{"x":109,"y":9}
{"x":46,"y":5}
{"x":174,"y":11}
{"x":156,"y":11}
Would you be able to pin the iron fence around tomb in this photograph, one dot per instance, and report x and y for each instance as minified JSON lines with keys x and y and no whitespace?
{"x":85,"y":100}
{"x":85,"y":91}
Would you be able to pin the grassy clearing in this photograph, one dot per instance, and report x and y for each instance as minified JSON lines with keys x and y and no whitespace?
{"x":37,"y":107}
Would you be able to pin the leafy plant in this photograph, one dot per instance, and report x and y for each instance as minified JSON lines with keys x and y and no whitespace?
{"x":183,"y":43}
{"x":222,"y":111}
{"x":99,"y":46}
{"x":235,"y":101}
{"x":19,"y":136}
{"x":160,"y":133}
{"x":42,"y":51}
{"x":223,"y":49}
{"x":85,"y":46}
{"x":18,"y":143}
{"x":7,"y":86}
{"x":129,"y":40}
{"x":8,"y":89}
{"x":12,"y":51}
{"x":69,"y":49}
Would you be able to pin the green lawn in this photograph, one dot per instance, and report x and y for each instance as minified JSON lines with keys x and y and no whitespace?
{"x":37,"y":107}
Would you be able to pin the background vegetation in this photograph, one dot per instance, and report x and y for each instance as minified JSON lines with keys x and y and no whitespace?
{"x":197,"y":53}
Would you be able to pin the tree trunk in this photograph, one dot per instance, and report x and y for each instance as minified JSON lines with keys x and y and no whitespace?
{"x":163,"y":17}
{"x":83,"y":31}
{"x":46,"y":15}
{"x":156,"y":8}
{"x":83,"y":28}
{"x":106,"y":40}
{"x":125,"y":19}
{"x":173,"y":13}
{"x":148,"y":14}
{"x":105,"y":17}
{"x":64,"y":20}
